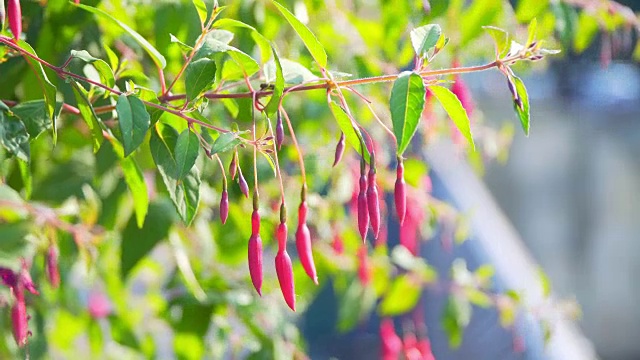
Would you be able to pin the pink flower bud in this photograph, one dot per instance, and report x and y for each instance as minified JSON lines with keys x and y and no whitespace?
{"x":424,"y":346}
{"x":51,"y":265}
{"x":255,"y":222}
{"x":20,"y":320}
{"x":244,"y":187}
{"x":233,"y":167}
{"x":400,"y":192}
{"x":391,"y":343}
{"x":255,"y":262}
{"x":373,"y":204}
{"x":363,"y":208}
{"x":339,"y":150}
{"x":303,"y":244}
{"x":281,"y":236}
{"x":14,"y":13}
{"x":284,"y":270}
{"x":224,"y":206}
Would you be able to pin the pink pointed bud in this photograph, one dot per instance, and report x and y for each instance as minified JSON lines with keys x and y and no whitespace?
{"x":303,"y":244}
{"x":244,"y":187}
{"x":424,"y":346}
{"x":391,"y":343}
{"x":224,"y":206}
{"x":281,"y":236}
{"x":255,"y":262}
{"x":400,"y":192}
{"x":279,"y":131}
{"x":51,"y":265}
{"x":255,"y":222}
{"x":233,"y":167}
{"x":14,"y":13}
{"x":373,"y":204}
{"x":98,"y":305}
{"x":25,"y":279}
{"x":20,"y":320}
{"x":284,"y":270}
{"x":363,"y":208}
{"x":339,"y":150}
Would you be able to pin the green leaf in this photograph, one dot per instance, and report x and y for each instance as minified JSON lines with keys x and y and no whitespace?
{"x":402,"y":297}
{"x":47,"y":87}
{"x":351,"y":133}
{"x":182,"y":260}
{"x":14,"y":136}
{"x":138,"y":188}
{"x":27,"y":179}
{"x":545,"y":283}
{"x":261,"y":41}
{"x":201,"y":9}
{"x":310,"y":41}
{"x":14,"y":244}
{"x":526,"y":10}
{"x":225,"y":142}
{"x":294,"y":73}
{"x":104,"y":70}
{"x":184,"y":47}
{"x":212,"y":45}
{"x":33,"y":115}
{"x":355,"y":305}
{"x":185,"y":192}
{"x":199,"y":76}
{"x":138,"y":242}
{"x":155,"y":55}
{"x":587,"y":30}
{"x":88,"y":115}
{"x":134,"y":121}
{"x":478,"y":297}
{"x":456,"y":111}
{"x":501,"y":38}
{"x":186,"y":152}
{"x":406,"y":103}
{"x":456,"y":317}
{"x":523,"y":113}
{"x":278,"y":88}
{"x":424,"y":38}
{"x":532,"y":32}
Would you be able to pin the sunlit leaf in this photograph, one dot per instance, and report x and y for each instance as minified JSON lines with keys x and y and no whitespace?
{"x":351,"y":133}
{"x":134,"y":121}
{"x":454,"y":109}
{"x":308,"y":38}
{"x":406,"y":103}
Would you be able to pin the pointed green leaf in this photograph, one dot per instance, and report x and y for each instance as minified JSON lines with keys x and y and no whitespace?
{"x":294,"y":73}
{"x":155,"y":55}
{"x":260,"y":40}
{"x":14,"y":136}
{"x":134,"y":121}
{"x":225,"y":142}
{"x":88,"y":115}
{"x":34,"y":116}
{"x":456,"y":317}
{"x":501,"y":38}
{"x":199,"y":76}
{"x":308,"y":38}
{"x":186,"y":151}
{"x":406,"y":103}
{"x":278,"y":87}
{"x":523,"y":112}
{"x":401,"y":297}
{"x":135,"y":181}
{"x":184,"y":193}
{"x":424,"y":38}
{"x":27,"y":179}
{"x":47,"y":87}
{"x":351,"y":133}
{"x":456,"y":111}
{"x":184,"y":47}
{"x":104,"y":70}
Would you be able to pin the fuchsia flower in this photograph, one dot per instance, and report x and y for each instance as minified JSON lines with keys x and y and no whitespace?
{"x":18,"y":282}
{"x":390,"y":341}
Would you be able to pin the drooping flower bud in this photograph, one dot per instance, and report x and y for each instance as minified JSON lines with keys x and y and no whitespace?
{"x":233,"y":167}
{"x":224,"y":206}
{"x":244,"y":187}
{"x":303,"y":243}
{"x":284,"y":270}
{"x":255,"y":262}
{"x":339,"y":150}
{"x":390,"y":341}
{"x":19,"y":318}
{"x":14,"y":13}
{"x":373,"y":202}
{"x":51,"y":265}
{"x":363,"y":208}
{"x":399,"y":194}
